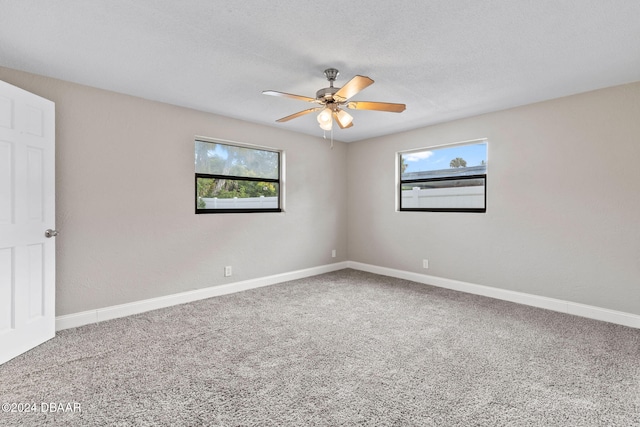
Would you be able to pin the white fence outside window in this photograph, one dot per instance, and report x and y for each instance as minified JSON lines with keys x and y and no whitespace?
{"x":452,"y":197}
{"x":241,"y":203}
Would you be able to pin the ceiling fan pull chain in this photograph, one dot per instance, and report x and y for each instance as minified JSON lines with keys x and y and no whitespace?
{"x":324,"y":135}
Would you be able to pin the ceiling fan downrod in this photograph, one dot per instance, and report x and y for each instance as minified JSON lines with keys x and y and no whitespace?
{"x":328,"y":92}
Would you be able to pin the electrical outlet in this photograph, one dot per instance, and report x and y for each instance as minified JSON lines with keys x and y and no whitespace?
{"x":333,"y":253}
{"x":425,"y":263}
{"x":227,"y":271}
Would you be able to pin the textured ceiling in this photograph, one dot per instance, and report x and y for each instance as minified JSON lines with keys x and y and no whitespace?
{"x":445,"y":59}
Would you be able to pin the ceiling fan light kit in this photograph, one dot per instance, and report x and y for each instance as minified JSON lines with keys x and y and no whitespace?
{"x":325,"y":118}
{"x":343,"y":118}
{"x":331,"y":99}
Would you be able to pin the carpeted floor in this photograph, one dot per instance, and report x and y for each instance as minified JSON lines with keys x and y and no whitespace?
{"x":340,"y":349}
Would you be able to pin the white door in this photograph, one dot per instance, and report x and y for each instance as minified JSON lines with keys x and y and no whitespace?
{"x":27,"y":210}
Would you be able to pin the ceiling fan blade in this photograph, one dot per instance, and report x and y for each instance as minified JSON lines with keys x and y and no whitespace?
{"x":352,"y":87}
{"x":288,"y":95}
{"x":379,"y":106}
{"x":344,"y":120}
{"x":298,"y":114}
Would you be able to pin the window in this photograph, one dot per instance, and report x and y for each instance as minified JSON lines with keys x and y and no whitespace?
{"x":233,"y":178}
{"x":450,"y":178}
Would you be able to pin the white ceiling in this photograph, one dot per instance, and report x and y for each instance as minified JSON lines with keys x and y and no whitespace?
{"x":445,"y":59}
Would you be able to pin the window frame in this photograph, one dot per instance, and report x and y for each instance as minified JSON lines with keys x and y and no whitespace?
{"x":279,"y":181}
{"x":402,"y":182}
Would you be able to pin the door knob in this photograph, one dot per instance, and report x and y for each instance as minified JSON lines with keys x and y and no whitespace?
{"x":50,"y":233}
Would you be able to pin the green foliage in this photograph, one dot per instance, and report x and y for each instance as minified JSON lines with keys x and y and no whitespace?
{"x":240,"y":162}
{"x":458,"y":162}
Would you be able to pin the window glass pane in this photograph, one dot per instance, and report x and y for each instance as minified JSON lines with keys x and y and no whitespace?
{"x":459,"y":160}
{"x":446,"y":194}
{"x":222,"y":159}
{"x":447,"y":178}
{"x":236,"y":194}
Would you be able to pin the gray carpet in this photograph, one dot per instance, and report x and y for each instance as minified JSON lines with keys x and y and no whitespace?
{"x":340,"y":349}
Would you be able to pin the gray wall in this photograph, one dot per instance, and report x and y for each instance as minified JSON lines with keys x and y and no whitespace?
{"x":562,"y":210}
{"x":125,"y":208}
{"x":563,"y":202}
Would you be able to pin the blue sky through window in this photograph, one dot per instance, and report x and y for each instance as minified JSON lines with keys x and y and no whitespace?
{"x":439,"y":158}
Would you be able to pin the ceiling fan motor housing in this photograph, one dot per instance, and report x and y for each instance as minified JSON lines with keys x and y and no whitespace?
{"x":327,"y":93}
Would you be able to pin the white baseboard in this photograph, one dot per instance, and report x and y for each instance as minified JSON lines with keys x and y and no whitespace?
{"x":592,"y":312}
{"x":122,"y":310}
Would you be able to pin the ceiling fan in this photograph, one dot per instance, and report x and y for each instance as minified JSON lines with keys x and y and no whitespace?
{"x":332,"y":99}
